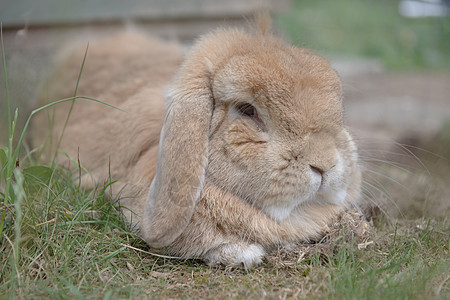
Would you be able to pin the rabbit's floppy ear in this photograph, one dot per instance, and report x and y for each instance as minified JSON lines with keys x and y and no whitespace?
{"x":183,"y":147}
{"x":182,"y":158}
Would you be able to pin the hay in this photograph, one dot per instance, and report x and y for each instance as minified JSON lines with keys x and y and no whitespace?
{"x":350,"y":227}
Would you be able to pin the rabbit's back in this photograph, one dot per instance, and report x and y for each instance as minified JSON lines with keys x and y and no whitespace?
{"x":129,"y":71}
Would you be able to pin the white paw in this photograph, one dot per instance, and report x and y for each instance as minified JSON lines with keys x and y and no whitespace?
{"x":235,"y":255}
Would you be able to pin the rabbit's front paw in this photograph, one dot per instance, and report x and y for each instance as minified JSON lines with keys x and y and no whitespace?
{"x":235,"y":255}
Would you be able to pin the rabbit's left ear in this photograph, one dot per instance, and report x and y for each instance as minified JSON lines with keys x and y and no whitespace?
{"x":182,"y":162}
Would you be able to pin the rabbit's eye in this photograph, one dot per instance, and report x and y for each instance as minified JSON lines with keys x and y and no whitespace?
{"x":248,"y":110}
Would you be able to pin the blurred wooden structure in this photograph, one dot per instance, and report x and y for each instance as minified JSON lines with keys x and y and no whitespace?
{"x":159,"y":15}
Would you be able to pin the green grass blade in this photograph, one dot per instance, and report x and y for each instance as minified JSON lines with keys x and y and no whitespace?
{"x":10,"y":165}
{"x":20,"y":196}
{"x":5,"y":78}
{"x":7,"y":175}
{"x":73,"y":101}
{"x":111,"y":255}
{"x":22,"y":136}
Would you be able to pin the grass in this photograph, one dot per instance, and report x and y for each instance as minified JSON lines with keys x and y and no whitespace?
{"x":372,"y":29}
{"x":69,"y":243}
{"x":61,"y":242}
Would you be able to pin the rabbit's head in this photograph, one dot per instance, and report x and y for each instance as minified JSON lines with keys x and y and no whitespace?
{"x":258,"y":118}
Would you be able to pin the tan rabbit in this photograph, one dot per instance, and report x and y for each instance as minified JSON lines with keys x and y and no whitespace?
{"x":246,"y":151}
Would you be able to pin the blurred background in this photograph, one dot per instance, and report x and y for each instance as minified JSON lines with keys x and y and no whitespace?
{"x":393,"y":57}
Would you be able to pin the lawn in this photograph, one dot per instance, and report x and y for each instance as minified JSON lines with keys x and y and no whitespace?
{"x":372,"y":29}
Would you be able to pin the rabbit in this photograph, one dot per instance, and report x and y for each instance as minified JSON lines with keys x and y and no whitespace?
{"x":222,"y":154}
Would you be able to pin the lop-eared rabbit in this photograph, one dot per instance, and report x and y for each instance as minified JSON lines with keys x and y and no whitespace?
{"x":222,"y":154}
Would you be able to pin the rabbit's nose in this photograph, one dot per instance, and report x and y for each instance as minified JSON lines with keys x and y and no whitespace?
{"x":317,"y":169}
{"x":321,"y":171}
{"x":321,"y":153}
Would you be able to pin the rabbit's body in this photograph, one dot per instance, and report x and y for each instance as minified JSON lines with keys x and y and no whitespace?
{"x":131,"y":72}
{"x":251,"y":153}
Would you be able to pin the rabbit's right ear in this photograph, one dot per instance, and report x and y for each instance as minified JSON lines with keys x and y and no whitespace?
{"x":184,"y":141}
{"x":182,"y":160}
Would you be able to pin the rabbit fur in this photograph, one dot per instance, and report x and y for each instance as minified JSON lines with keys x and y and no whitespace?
{"x":223,"y":154}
